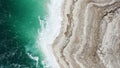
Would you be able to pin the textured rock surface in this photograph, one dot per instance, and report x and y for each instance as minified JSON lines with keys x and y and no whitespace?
{"x":90,"y":34}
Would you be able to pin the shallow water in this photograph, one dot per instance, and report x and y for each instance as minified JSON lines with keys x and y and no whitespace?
{"x":19,"y":25}
{"x":27,"y":31}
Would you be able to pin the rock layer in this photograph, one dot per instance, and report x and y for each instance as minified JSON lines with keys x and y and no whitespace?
{"x":90,"y":34}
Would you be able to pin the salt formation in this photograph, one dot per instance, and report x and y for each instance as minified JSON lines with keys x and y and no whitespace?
{"x":90,"y":34}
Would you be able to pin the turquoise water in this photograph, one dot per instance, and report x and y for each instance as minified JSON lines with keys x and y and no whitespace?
{"x":19,"y":26}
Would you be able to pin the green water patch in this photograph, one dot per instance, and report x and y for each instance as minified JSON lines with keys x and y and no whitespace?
{"x":19,"y":25}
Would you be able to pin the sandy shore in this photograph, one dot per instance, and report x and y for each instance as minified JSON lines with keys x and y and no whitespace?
{"x":90,"y":34}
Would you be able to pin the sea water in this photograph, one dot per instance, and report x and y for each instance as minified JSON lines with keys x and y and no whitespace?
{"x":27,"y":31}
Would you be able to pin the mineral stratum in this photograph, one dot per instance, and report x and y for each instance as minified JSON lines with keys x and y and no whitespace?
{"x":90,"y":34}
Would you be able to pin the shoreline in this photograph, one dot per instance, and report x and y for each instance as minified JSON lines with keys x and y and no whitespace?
{"x":49,"y":33}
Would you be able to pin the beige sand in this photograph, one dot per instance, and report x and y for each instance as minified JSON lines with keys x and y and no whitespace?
{"x":90,"y":34}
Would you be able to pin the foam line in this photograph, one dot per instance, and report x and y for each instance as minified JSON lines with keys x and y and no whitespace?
{"x":50,"y":32}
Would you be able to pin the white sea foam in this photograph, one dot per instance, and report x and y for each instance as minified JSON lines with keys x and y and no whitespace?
{"x":34,"y":58}
{"x":50,"y":32}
